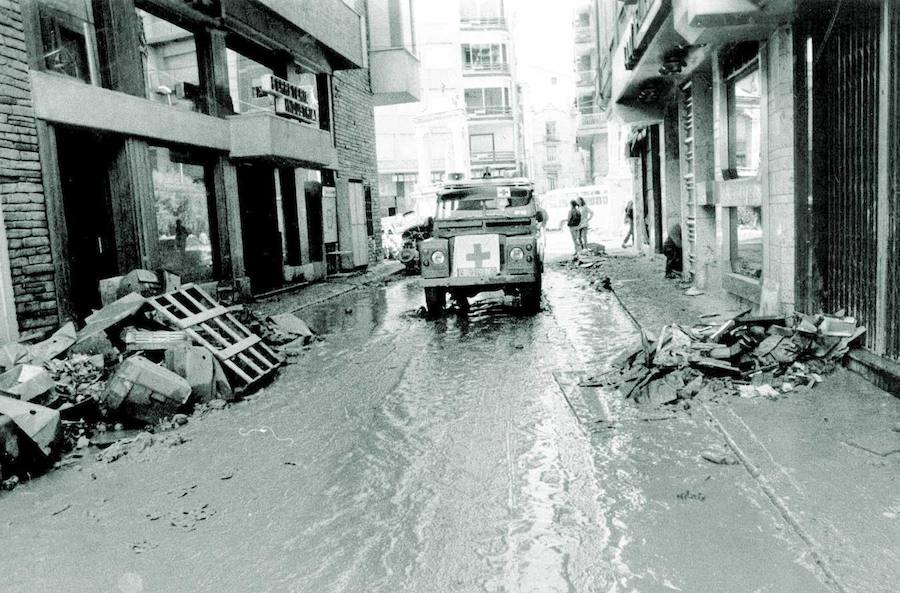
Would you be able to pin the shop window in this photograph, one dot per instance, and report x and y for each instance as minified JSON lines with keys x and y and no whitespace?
{"x":244,"y":74}
{"x":744,"y":99}
{"x":747,"y":239}
{"x":182,"y":198}
{"x":437,"y":177}
{"x":170,"y":63}
{"x":68,"y":39}
{"x":552,"y":182}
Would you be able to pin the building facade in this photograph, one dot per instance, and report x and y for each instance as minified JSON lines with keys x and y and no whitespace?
{"x":769,"y":132}
{"x":227,"y":141}
{"x":469,"y":119}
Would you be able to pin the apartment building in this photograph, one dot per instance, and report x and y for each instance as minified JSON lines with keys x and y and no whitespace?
{"x":469,"y":120}
{"x":230,"y":141}
{"x":769,"y":132}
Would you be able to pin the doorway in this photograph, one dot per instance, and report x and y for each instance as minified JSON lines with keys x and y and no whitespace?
{"x":651,"y":190}
{"x":263,"y":255}
{"x":313,"y":194}
{"x":84,"y":160}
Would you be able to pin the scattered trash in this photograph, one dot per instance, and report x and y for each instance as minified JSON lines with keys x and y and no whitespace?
{"x":27,"y":383}
{"x":293,"y":325}
{"x":41,"y":424}
{"x":141,"y":340}
{"x":693,"y":291}
{"x":145,"y":391}
{"x":749,"y":356}
{"x":53,"y":346}
{"x":138,"y":444}
{"x":719,"y":456}
{"x":202,"y":371}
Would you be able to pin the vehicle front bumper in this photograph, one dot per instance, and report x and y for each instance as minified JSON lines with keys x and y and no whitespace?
{"x":498,"y":280}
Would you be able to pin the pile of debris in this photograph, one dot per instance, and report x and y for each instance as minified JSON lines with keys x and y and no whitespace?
{"x":589,"y":261}
{"x":153,"y":351}
{"x":746,"y":356}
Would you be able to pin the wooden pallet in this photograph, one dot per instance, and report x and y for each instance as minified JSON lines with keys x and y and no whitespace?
{"x":211,"y":325}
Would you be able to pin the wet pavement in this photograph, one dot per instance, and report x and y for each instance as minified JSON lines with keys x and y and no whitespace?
{"x":401,"y":454}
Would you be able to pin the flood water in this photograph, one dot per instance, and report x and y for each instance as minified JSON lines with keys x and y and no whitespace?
{"x":402,"y":454}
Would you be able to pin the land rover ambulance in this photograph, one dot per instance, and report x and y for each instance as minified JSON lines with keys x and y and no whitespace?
{"x":487,"y":236}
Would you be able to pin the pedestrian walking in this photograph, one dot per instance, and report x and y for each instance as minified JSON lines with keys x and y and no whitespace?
{"x":574,"y":222}
{"x":586,"y":215}
{"x":629,"y":220}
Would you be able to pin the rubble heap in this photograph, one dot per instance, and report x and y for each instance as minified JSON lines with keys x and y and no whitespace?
{"x":746,"y":356}
{"x":153,"y":351}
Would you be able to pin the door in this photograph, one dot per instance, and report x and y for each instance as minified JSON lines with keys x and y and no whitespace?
{"x":652,"y":194}
{"x":358,"y":223}
{"x":84,"y":161}
{"x":259,"y":226}
{"x":313,"y":194}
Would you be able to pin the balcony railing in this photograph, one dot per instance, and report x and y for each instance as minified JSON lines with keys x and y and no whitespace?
{"x":489,"y":111}
{"x":497,"y":156}
{"x":482,"y":23}
{"x":590,"y":120}
{"x":586,"y":78}
{"x":500,"y":68}
{"x":583,"y":34}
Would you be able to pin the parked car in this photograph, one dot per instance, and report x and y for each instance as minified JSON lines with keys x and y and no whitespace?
{"x":488,"y":235}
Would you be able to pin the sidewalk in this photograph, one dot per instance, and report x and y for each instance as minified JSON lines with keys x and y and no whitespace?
{"x":318,"y":292}
{"x":827,"y":459}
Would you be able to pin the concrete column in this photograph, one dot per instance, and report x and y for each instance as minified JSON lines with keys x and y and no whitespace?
{"x":118,"y":42}
{"x":228,"y":219}
{"x":213,"y":63}
{"x":300,"y":180}
{"x":134,"y":206}
{"x":706,"y":249}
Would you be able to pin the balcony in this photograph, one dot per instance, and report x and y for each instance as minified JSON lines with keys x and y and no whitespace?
{"x":583,"y":34}
{"x":489,"y":111}
{"x":496,"y":68}
{"x":395,"y":76}
{"x":585,"y":78}
{"x":331,"y":23}
{"x":470,"y":23}
{"x":729,"y":20}
{"x":265,"y":135}
{"x":590,"y":123}
{"x":495,"y":157}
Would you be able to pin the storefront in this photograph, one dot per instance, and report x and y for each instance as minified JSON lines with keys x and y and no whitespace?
{"x":180,"y":141}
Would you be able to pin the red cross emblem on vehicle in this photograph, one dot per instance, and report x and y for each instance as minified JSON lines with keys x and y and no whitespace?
{"x":478,"y":256}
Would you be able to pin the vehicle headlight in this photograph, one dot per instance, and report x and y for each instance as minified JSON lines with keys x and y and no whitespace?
{"x":438,"y":258}
{"x":516,"y":254}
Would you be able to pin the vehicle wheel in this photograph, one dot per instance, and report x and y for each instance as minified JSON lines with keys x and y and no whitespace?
{"x":435,"y":299}
{"x":531,"y":297}
{"x":462,"y":301}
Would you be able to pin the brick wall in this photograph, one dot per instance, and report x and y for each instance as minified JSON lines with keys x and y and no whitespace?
{"x":778,"y":214}
{"x":354,"y":128}
{"x":21,"y":188}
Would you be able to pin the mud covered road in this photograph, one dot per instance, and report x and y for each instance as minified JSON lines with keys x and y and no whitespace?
{"x":401,"y":454}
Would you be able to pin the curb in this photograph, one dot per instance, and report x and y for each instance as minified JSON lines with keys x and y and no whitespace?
{"x":815,"y":549}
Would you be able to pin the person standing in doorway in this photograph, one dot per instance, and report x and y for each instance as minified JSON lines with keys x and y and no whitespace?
{"x":574,"y":224}
{"x":629,"y":220}
{"x":586,"y":215}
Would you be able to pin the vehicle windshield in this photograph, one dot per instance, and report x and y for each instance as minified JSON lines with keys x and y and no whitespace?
{"x":477,"y":200}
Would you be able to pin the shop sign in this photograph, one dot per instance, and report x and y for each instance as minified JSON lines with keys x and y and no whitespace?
{"x":290,"y":99}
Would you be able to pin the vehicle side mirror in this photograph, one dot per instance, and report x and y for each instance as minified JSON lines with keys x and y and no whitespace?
{"x":430,"y":222}
{"x":539,"y":216}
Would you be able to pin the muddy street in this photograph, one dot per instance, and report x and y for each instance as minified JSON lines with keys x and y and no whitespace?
{"x":400,"y":454}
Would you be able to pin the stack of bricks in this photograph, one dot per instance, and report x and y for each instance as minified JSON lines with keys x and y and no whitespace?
{"x":354,"y":130}
{"x":21,"y":188}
